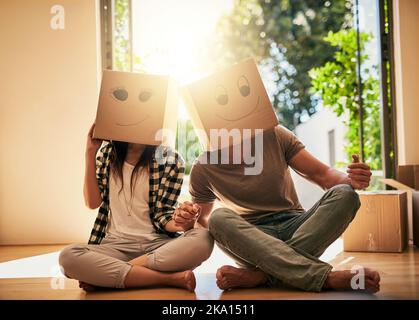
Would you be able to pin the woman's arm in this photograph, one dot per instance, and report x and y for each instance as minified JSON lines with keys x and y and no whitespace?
{"x":165,"y":206}
{"x":91,"y":192}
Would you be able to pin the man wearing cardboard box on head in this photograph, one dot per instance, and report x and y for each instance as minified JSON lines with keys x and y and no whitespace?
{"x":262,"y":224}
{"x":136,"y":182}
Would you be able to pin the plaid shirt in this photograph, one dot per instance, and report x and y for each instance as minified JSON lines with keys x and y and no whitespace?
{"x":166,"y":177}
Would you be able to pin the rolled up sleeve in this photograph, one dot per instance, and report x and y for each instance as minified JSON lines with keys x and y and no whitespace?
{"x":289,"y":142}
{"x":199,"y":186}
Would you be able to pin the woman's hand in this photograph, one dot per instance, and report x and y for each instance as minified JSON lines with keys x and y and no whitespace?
{"x":186,"y":215}
{"x":92,"y":144}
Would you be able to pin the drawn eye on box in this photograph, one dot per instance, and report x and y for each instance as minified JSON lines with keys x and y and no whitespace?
{"x":221,"y":95}
{"x":119,"y":94}
{"x":243,"y":85}
{"x":145,"y":95}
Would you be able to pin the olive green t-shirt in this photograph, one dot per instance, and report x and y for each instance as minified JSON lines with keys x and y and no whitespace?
{"x":252,"y":196}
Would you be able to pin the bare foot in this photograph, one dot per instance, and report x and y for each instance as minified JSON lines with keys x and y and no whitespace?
{"x":229,"y":277}
{"x":341,"y":280}
{"x":185,"y":280}
{"x":87,"y":287}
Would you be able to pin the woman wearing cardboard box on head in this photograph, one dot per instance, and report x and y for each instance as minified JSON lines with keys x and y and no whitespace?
{"x":135,"y":242}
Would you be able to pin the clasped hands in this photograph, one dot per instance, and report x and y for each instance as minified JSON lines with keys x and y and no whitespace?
{"x":186,"y":214}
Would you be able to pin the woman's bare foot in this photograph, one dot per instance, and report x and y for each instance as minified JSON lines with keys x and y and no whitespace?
{"x":87,"y":287}
{"x":229,"y":277}
{"x":185,"y":280}
{"x":341,"y":280}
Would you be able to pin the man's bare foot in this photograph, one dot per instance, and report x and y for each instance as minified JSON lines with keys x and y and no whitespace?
{"x":185,"y":280}
{"x":341,"y":280}
{"x":229,"y":277}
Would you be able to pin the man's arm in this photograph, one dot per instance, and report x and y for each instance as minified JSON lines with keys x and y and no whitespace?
{"x":326,"y":177}
{"x":206,"y":209}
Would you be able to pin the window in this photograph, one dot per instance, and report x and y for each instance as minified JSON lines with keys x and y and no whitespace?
{"x":313,"y":55}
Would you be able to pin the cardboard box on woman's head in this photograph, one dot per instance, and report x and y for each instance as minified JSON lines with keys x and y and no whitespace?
{"x":137,"y":108}
{"x":234,"y":98}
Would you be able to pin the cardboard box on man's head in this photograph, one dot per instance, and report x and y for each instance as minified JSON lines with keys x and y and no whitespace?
{"x":137,"y":108}
{"x":234,"y":98}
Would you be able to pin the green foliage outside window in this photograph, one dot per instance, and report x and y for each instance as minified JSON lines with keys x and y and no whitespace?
{"x":336,"y":83}
{"x":121,"y":36}
{"x":122,"y":50}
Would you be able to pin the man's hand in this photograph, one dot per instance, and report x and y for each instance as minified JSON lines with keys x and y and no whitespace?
{"x":186,"y":214}
{"x":359,"y":173}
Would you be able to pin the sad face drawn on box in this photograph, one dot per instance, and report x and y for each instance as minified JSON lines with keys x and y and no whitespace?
{"x":136,"y":107}
{"x":234,"y":98}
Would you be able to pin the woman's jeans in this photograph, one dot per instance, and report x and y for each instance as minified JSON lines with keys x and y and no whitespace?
{"x":107,"y":264}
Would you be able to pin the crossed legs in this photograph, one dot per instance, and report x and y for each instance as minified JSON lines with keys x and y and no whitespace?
{"x":288,"y":254}
{"x":113,"y":264}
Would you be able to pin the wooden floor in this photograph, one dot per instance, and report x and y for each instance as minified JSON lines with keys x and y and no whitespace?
{"x":399,"y":280}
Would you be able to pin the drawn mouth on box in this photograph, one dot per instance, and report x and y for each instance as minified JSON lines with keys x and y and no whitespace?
{"x":244,"y":116}
{"x":132,"y":123}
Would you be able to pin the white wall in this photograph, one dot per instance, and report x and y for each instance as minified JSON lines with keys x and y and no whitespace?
{"x":48,"y":97}
{"x":314,"y":134}
{"x":406,"y":52}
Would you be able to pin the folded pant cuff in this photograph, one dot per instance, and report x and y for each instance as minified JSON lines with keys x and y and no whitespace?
{"x":320,"y":284}
{"x":122,"y":275}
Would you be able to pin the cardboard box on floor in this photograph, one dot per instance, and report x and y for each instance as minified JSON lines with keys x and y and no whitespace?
{"x":136,"y":107}
{"x":380,"y":224}
{"x":415,"y":218}
{"x":234,"y":98}
{"x":408,"y":175}
{"x":412,"y":208}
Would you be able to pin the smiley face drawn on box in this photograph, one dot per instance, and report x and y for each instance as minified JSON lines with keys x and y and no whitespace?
{"x":134,"y":107}
{"x":234,"y":98}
